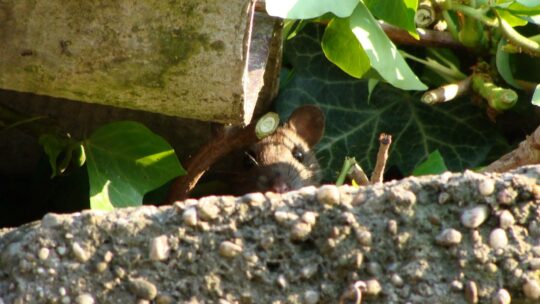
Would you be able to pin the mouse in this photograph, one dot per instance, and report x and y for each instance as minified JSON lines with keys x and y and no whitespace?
{"x":284,"y":160}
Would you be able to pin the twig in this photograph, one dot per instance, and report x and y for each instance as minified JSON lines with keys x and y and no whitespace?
{"x":221,"y":145}
{"x":357,"y":174}
{"x":527,"y":153}
{"x":384,"y":145}
{"x":447,"y":92}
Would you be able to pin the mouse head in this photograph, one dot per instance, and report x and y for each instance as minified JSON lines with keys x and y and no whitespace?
{"x":285,"y":160}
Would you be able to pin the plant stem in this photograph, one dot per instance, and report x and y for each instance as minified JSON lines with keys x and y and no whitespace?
{"x":436,"y":66}
{"x":476,"y":13}
{"x":347,"y":164}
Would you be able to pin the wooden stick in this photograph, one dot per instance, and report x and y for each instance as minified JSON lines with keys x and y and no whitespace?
{"x":527,"y":153}
{"x":384,"y":145}
{"x":221,"y":145}
{"x":357,"y":174}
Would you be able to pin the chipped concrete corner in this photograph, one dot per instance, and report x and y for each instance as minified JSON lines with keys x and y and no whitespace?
{"x":453,"y":238}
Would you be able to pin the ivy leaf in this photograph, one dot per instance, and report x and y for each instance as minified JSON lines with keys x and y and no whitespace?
{"x":307,"y":9}
{"x":342,"y":48}
{"x":53,"y":146}
{"x":536,"y":96}
{"x":458,"y":129}
{"x":434,"y":164}
{"x":125,"y":161}
{"x":397,"y":12}
{"x":382,"y":53}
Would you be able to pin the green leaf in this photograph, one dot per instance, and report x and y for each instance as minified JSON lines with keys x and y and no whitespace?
{"x":434,"y":164}
{"x":53,"y":147}
{"x":342,"y":48}
{"x":504,"y":66}
{"x":536,"y":96}
{"x":458,"y":130}
{"x":397,"y":12}
{"x":511,"y":19}
{"x":307,"y":9}
{"x":125,"y":161}
{"x":384,"y":56}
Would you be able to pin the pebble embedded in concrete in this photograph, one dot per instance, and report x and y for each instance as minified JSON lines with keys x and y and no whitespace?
{"x":471,"y":292}
{"x":159,"y":248}
{"x":80,"y":253}
{"x":229,"y":249}
{"x":328,"y":194}
{"x":143,"y":289}
{"x":498,"y":238}
{"x":474,"y":217}
{"x":449,"y":237}
{"x":506,"y":219}
{"x":190,"y":216}
{"x":531,"y":289}
{"x":486,"y":187}
{"x":85,"y":298}
{"x":311,"y":297}
{"x":502,"y":296}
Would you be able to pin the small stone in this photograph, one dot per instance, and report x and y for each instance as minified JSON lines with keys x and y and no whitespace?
{"x":506,"y":219}
{"x":531,"y":289}
{"x":108,"y":256}
{"x":308,"y":271}
{"x":373,"y":287}
{"x":474,"y":217}
{"x":498,"y":238}
{"x":506,"y":196}
{"x":284,"y":217}
{"x":62,"y":291}
{"x":300,"y":231}
{"x":392,"y":227}
{"x":364,"y":237}
{"x":328,"y":194}
{"x":486,"y":187}
{"x":43,"y":253}
{"x":456,"y":285}
{"x":159,"y":248}
{"x":143,"y":289}
{"x":310,"y":217}
{"x":81,"y":254}
{"x":65,"y":300}
{"x":190,"y":216}
{"x":51,"y":220}
{"x":396,"y":280}
{"x":85,"y":298}
{"x":311,"y":297}
{"x":61,"y":250}
{"x":536,"y":251}
{"x":229,"y":249}
{"x":101,"y":267}
{"x":471,"y":292}
{"x":449,"y":237}
{"x":374,"y":269}
{"x":282,"y":281}
{"x":534,"y":263}
{"x":403,"y":196}
{"x":207,"y":208}
{"x":443,"y":197}
{"x":254,"y":199}
{"x":502,"y":296}
{"x":164,"y":299}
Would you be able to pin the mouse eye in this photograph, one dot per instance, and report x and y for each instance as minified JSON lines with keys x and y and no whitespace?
{"x":249,"y":160}
{"x":298,"y":154}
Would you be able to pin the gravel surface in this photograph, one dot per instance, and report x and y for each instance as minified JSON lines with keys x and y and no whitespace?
{"x":452,"y":238}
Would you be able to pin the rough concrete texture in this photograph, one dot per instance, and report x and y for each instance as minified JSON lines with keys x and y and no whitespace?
{"x":453,"y":238}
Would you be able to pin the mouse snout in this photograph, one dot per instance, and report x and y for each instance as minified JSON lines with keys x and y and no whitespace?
{"x":274,"y":182}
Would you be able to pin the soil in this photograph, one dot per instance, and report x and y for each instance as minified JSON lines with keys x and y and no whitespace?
{"x":452,"y":238}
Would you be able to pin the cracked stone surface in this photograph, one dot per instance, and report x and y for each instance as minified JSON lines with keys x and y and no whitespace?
{"x":451,"y":238}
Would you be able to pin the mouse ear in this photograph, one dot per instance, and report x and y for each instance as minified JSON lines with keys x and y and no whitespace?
{"x":308,"y":122}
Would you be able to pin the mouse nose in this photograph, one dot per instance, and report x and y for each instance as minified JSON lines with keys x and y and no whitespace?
{"x":278,"y":185}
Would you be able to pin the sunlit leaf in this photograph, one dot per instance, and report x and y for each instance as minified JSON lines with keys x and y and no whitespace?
{"x":382,"y":53}
{"x":307,"y":9}
{"x":343,"y":49}
{"x":125,"y":161}
{"x":397,"y":12}
{"x":536,"y":96}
